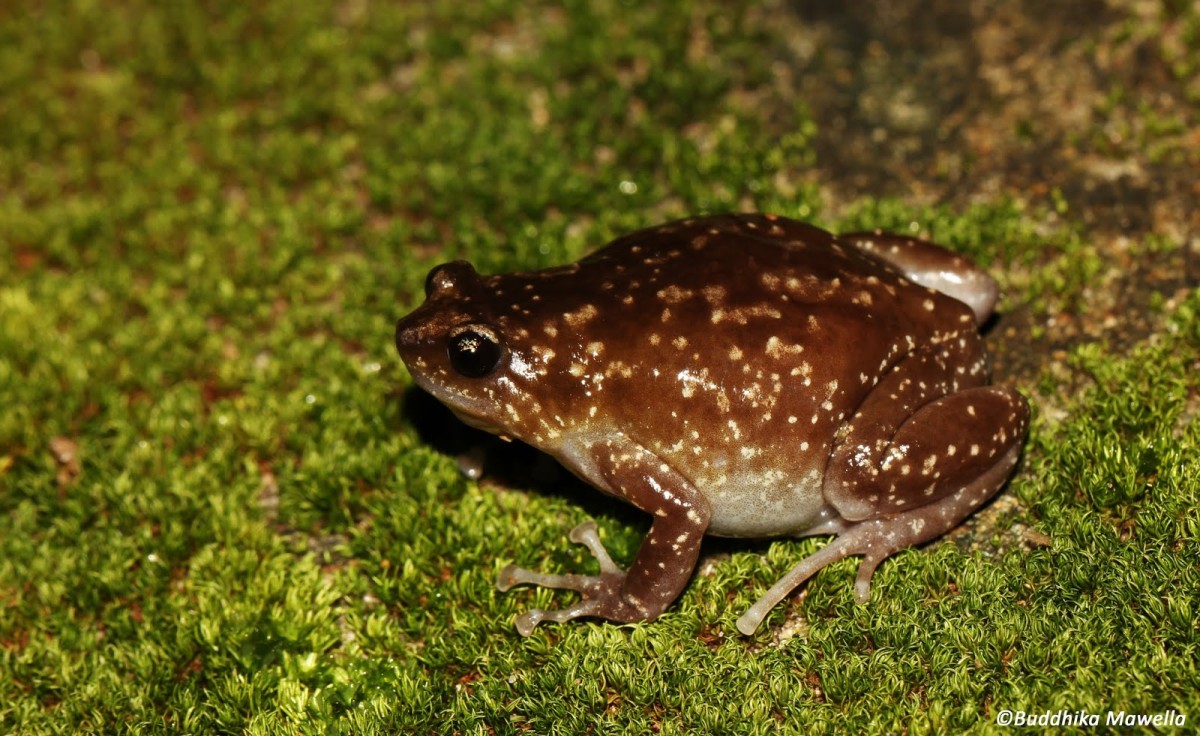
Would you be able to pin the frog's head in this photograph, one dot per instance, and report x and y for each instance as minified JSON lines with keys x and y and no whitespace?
{"x":457,"y":347}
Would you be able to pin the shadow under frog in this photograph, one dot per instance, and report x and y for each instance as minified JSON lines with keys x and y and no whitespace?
{"x":738,"y":376}
{"x":510,"y":464}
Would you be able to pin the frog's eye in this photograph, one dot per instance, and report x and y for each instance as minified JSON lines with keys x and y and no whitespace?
{"x":474,"y":350}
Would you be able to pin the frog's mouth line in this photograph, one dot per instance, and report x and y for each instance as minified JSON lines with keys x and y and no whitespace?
{"x":461,"y":406}
{"x":476,"y":423}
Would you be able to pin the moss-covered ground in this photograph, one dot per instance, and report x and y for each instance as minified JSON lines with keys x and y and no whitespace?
{"x":224,"y":508}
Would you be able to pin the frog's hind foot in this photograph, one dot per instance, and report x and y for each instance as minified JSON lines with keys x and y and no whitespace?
{"x":931,"y":265}
{"x":601,"y":593}
{"x":879,"y":538}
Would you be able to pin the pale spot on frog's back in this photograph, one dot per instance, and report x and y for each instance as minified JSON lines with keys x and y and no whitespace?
{"x":674,"y":294}
{"x":779,"y":350}
{"x":580,"y":317}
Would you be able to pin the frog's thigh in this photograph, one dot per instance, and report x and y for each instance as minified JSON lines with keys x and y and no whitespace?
{"x":940,"y":450}
{"x":926,"y":431}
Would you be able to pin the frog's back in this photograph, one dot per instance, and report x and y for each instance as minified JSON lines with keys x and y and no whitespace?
{"x":722,"y":271}
{"x":749,"y":304}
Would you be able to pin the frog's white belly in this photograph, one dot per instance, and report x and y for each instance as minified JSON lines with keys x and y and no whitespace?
{"x":743,"y":501}
{"x":763,"y":504}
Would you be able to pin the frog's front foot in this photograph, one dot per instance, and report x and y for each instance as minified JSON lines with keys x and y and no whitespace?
{"x":602,"y":594}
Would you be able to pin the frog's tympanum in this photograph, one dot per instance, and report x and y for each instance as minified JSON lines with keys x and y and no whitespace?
{"x":735,"y":375}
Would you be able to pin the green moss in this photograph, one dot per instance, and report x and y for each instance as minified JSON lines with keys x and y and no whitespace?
{"x":220,"y":512}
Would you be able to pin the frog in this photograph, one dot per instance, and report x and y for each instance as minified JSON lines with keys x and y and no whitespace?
{"x":737,"y":375}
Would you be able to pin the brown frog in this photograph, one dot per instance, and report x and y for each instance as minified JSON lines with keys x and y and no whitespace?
{"x":734,"y":375}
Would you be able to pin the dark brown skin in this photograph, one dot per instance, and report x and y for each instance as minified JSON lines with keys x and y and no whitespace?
{"x":737,"y":375}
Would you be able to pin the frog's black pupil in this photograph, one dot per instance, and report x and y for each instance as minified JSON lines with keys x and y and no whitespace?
{"x":474,"y":354}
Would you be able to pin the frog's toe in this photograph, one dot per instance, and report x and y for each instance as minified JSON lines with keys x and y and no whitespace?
{"x":587,"y":535}
{"x":601,"y":597}
{"x":531,"y":618}
{"x":866,"y":570}
{"x":512,"y":576}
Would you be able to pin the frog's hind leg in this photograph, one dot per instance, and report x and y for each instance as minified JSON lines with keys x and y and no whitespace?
{"x":929,"y":264}
{"x":926,"y":447}
{"x":877,"y":539}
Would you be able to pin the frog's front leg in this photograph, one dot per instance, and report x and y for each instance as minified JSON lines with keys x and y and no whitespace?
{"x":928,"y":446}
{"x":665,"y":560}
